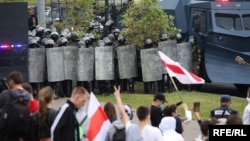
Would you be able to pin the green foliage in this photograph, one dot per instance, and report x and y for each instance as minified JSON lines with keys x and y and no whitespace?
{"x":79,"y":15}
{"x":146,"y":19}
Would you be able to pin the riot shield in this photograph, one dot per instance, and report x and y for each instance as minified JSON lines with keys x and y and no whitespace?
{"x":127,"y":61}
{"x":104,"y":63}
{"x":55,"y":67}
{"x":36,"y":65}
{"x":151,"y":65}
{"x":184,"y":55}
{"x":169,"y":48}
{"x":70,"y":62}
{"x":86,"y":62}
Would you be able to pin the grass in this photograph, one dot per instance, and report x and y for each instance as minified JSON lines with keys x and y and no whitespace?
{"x":208,"y":101}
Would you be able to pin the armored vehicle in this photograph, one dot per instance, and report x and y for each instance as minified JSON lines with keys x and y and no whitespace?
{"x":220,"y":33}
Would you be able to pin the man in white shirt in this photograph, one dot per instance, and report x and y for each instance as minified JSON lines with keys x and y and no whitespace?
{"x":246,"y":113}
{"x":148,"y":132}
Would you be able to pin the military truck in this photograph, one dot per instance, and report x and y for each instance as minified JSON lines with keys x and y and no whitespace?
{"x":220,"y":30}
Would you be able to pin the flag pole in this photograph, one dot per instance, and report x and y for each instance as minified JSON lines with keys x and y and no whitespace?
{"x":175,"y":87}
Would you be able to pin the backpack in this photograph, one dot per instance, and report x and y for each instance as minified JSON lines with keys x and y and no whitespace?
{"x":119,"y":134}
{"x":17,"y":116}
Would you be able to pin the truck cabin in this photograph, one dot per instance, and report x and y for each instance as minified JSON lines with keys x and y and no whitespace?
{"x":221,"y":23}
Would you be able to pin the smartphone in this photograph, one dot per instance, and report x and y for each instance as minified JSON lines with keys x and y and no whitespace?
{"x":196,"y":107}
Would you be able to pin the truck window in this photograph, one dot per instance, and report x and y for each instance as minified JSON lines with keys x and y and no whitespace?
{"x":246,"y":21}
{"x":228,"y":21}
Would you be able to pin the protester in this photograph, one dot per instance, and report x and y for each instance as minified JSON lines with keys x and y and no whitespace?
{"x":149,"y":133}
{"x":33,"y":108}
{"x":16,"y":92}
{"x":224,"y":110}
{"x":246,"y":112}
{"x":46,"y":114}
{"x":234,"y":120}
{"x":204,"y":126}
{"x":34,"y":104}
{"x":118,"y":124}
{"x":156,"y":109}
{"x":167,"y":127}
{"x":171,"y":111}
{"x":66,"y":126}
{"x":109,"y":109}
{"x":132,"y":130}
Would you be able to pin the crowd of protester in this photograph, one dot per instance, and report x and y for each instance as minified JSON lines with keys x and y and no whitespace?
{"x":160,"y":122}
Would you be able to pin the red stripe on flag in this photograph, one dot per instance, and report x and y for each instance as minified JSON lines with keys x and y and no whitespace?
{"x":174,"y":68}
{"x":96,"y":121}
{"x":195,"y":77}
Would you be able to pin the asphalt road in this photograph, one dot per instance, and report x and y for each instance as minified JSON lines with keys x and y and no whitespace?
{"x":191,"y":129}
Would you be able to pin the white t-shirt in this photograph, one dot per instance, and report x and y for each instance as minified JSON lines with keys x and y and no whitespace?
{"x":150,"y":133}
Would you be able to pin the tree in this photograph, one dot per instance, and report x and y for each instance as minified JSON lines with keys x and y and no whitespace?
{"x":78,"y":17}
{"x":146,"y":19}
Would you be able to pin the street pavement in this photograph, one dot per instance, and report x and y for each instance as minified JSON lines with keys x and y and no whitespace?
{"x":191,"y":129}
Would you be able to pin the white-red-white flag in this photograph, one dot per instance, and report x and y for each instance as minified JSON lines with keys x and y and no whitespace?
{"x":98,"y":120}
{"x":174,"y":69}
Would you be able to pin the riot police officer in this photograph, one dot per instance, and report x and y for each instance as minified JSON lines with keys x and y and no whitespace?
{"x":149,"y":86}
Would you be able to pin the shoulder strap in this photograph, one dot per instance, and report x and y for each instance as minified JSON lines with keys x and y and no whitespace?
{"x":11,"y":95}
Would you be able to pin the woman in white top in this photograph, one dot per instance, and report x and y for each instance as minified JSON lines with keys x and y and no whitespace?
{"x":167,"y":127}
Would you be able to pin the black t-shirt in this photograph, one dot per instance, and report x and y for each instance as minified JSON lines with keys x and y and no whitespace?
{"x":155,"y":115}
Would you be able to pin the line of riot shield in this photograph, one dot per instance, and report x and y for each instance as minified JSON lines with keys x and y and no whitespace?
{"x":151,"y":65}
{"x":127,"y":61}
{"x":86,"y":62}
{"x":70,"y":62}
{"x":55,"y":64}
{"x":36,"y":63}
{"x":104,"y":63}
{"x":184,"y":55}
{"x":169,"y":48}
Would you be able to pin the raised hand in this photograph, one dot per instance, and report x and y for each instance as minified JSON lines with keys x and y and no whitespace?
{"x":117,"y":91}
{"x":240,"y":60}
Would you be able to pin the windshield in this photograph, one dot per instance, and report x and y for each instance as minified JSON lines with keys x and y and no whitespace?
{"x":246,"y":21}
{"x":228,"y":21}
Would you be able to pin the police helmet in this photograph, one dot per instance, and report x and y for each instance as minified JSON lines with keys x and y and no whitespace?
{"x":107,"y":41}
{"x":49,"y":43}
{"x":47,"y":32}
{"x":54,"y":36}
{"x":116,"y":32}
{"x":163,"y":36}
{"x":64,"y":32}
{"x":91,"y":37}
{"x":111,"y":37}
{"x":39,"y":31}
{"x":148,"y":41}
{"x":121,"y":39}
{"x":63,"y":41}
{"x":33,"y":43}
{"x":81,"y":44}
{"x":100,"y":43}
{"x":74,"y":35}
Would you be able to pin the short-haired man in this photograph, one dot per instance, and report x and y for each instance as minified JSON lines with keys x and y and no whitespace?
{"x":65,"y":126}
{"x":15,"y":80}
{"x":224,"y":110}
{"x":156,"y":109}
{"x":148,"y":132}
